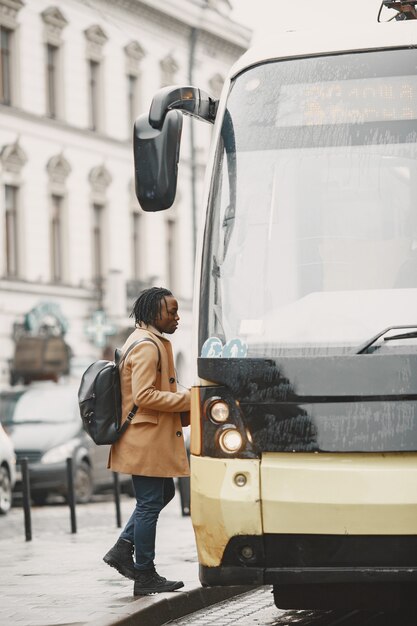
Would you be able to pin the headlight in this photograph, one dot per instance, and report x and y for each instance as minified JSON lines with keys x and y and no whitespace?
{"x":60,"y":453}
{"x":217,"y":410}
{"x":230,"y":440}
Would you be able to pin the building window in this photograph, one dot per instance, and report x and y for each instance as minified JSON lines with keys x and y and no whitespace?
{"x":171,"y":252}
{"x":56,"y":238}
{"x":94,"y":76}
{"x":98,"y":211}
{"x":134,"y":54}
{"x":54,"y":23}
{"x":136,"y":247}
{"x":5,"y":65}
{"x":132,"y":87}
{"x":11,"y":231}
{"x":51,"y":79}
{"x":99,"y":178}
{"x":95,"y":41}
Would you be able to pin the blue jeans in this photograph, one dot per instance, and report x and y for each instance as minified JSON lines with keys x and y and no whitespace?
{"x":152,"y":495}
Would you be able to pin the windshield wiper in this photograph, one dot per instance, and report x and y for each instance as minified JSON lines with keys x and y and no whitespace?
{"x":229,"y":142}
{"x":411,"y":335}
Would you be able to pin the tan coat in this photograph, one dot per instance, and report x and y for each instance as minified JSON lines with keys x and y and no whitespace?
{"x":153,"y":444}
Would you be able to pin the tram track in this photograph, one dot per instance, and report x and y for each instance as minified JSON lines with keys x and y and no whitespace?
{"x":256,"y":608}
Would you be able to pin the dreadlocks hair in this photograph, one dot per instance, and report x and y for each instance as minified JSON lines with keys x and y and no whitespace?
{"x":147,"y":307}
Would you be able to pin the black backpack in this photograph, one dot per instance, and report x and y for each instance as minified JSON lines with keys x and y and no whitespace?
{"x":100,"y":399}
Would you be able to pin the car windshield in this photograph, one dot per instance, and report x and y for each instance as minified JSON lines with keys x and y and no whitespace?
{"x":8,"y":401}
{"x":311,"y":234}
{"x":42,"y":405}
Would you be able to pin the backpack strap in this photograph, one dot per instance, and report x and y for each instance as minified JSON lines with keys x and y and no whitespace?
{"x":132,"y":412}
{"x":135,"y":343}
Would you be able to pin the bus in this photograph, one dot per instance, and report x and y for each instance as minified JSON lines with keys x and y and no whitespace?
{"x":304,"y":411}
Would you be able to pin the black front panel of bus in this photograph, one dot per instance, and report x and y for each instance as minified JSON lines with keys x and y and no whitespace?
{"x":363,"y":403}
{"x":302,"y":550}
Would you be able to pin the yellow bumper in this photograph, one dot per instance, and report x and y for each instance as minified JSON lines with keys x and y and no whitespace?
{"x":219,"y":508}
{"x":355,"y":494}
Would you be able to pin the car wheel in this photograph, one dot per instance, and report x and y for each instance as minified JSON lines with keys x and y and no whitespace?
{"x":83,"y":483}
{"x":39,"y":498}
{"x":5,"y":491}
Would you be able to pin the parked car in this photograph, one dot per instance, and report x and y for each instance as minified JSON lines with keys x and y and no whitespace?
{"x":7,"y":471}
{"x":45,"y":427}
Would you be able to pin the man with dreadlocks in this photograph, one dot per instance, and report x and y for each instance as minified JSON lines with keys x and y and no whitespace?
{"x":152,"y":448}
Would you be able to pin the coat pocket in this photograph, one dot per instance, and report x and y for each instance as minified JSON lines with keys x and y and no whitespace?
{"x":146,"y":417}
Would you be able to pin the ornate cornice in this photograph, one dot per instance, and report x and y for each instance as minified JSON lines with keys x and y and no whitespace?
{"x":135,"y":51}
{"x":54,"y":23}
{"x":53,"y":17}
{"x":95,"y":38}
{"x":96,"y":34}
{"x":134,"y":55}
{"x":99,"y":178}
{"x":169,"y":68}
{"x":169,"y":65}
{"x":13,"y":158}
{"x":8,"y":12}
{"x":58,"y":169}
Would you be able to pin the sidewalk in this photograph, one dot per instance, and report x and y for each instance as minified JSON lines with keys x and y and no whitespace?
{"x":60,"y":579}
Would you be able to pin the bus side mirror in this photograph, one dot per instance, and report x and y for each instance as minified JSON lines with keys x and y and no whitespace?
{"x":190,"y":100}
{"x":156,"y":153}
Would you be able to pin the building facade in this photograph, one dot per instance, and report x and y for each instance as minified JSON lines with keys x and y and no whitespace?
{"x":76,"y":248}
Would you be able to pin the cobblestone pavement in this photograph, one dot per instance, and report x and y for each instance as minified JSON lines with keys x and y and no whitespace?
{"x":252,"y":609}
{"x":59,"y":578}
{"x":257,"y":608}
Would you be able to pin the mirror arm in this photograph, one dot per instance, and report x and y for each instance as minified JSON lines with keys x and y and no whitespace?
{"x":189,"y":100}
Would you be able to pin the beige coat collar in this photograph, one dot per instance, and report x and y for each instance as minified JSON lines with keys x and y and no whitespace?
{"x":151,"y":329}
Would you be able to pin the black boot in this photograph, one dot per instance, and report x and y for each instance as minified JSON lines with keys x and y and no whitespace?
{"x":148,"y":581}
{"x":120,"y":556}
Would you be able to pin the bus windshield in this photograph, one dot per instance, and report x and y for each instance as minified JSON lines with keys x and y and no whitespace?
{"x":311,"y":237}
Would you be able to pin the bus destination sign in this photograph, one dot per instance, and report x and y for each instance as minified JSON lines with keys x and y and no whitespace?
{"x":348,"y":101}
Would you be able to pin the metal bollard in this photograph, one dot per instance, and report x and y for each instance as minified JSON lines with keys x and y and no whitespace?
{"x":116,"y":489}
{"x":71,"y":494}
{"x":26,"y":498}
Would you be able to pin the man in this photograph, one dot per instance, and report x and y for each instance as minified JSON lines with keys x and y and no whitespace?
{"x":152,"y":448}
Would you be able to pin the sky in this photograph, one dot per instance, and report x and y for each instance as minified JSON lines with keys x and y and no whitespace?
{"x":269,"y":16}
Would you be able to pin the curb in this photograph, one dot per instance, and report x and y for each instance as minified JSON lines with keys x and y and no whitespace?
{"x":162,"y":608}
